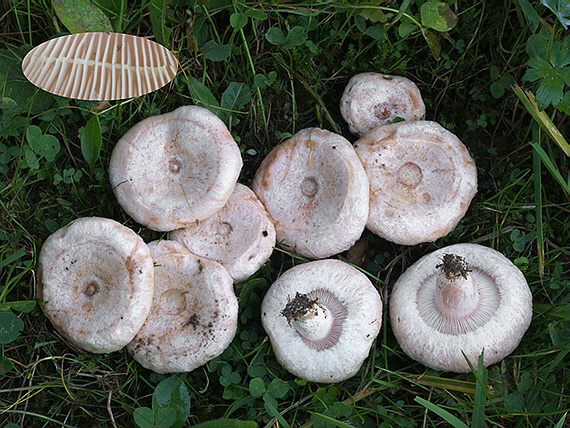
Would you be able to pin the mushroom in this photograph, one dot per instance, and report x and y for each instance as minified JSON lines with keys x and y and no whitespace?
{"x":240,"y":236}
{"x":99,"y":66}
{"x":171,"y":170}
{"x":322,"y":318}
{"x":316,"y":192}
{"x":193,"y":318}
{"x":375,"y":99}
{"x":422,"y":180}
{"x":96,"y":277}
{"x":458,"y":301}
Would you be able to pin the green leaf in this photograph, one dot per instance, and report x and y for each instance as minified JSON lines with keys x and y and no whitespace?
{"x":80,"y":16}
{"x":25,"y":306}
{"x":233,"y":99}
{"x":46,"y":146}
{"x":227,"y":423}
{"x":549,"y":91}
{"x":514,"y":402}
{"x":201,"y":95}
{"x":375,"y":31}
{"x":448,"y":417}
{"x":256,"y":387}
{"x":296,"y":37}
{"x":560,"y":423}
{"x":530,"y":13}
{"x":405,"y":28}
{"x":270,"y":405}
{"x":166,"y":417}
{"x":13,"y":257}
{"x":438,"y":16}
{"x":91,"y":140}
{"x":5,"y":366}
{"x":275,"y":36}
{"x":538,"y":68}
{"x":172,"y":392}
{"x":497,"y":89}
{"x":564,"y":104}
{"x":144,"y":417}
{"x":31,"y":159}
{"x":215,"y":51}
{"x":278,"y":388}
{"x":433,"y":43}
{"x":561,"y":9}
{"x":10,"y":327}
{"x":158,"y":16}
{"x":238,"y":20}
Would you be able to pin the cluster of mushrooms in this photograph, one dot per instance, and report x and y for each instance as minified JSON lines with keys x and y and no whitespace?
{"x":172,"y":302}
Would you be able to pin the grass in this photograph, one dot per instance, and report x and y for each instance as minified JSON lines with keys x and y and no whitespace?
{"x":294,"y":79}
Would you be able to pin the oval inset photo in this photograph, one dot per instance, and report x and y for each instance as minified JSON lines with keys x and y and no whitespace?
{"x":100,"y":66}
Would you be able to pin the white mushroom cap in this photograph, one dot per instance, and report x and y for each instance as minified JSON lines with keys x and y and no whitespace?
{"x":193,"y":318}
{"x":170,"y":170}
{"x":422,"y":180}
{"x":316,"y":192}
{"x":322,"y":318}
{"x":240,"y":236}
{"x":372,"y":99}
{"x":461,"y":298}
{"x":97,"y":278}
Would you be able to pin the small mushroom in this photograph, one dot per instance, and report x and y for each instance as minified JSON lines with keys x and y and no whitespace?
{"x":240,"y":236}
{"x":322,"y":318}
{"x":461,"y":299}
{"x":316,"y":192}
{"x":422,"y":180}
{"x":171,"y":170}
{"x":193,"y":318}
{"x":373,"y":99}
{"x":99,"y":66}
{"x":96,"y":277}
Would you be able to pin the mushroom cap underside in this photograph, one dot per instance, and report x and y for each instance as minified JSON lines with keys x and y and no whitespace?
{"x":240,"y":235}
{"x":174,"y":169}
{"x":316,"y":191}
{"x":193,"y":318}
{"x":422,"y":333}
{"x":96,"y":277}
{"x":422,"y":180}
{"x":362,"y":320}
{"x":373,"y":99}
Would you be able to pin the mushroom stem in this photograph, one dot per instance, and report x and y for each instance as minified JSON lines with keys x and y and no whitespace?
{"x":456,"y":292}
{"x":309,"y":318}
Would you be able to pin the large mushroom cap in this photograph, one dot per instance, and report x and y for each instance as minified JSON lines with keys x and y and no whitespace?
{"x":316,"y":192}
{"x":240,"y":236}
{"x":171,"y":170}
{"x":373,"y":99}
{"x":96,"y":277}
{"x":322,"y":318}
{"x":422,"y":180}
{"x":193,"y":318}
{"x":464,"y":298}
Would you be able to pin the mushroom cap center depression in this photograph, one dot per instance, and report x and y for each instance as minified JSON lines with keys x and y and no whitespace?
{"x":309,"y":187}
{"x":317,"y":317}
{"x":410,"y":174}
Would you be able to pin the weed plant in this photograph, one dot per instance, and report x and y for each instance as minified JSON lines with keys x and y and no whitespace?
{"x":269,"y":69}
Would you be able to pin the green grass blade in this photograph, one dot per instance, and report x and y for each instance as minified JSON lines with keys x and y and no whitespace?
{"x":331,"y":421}
{"x":560,"y":423}
{"x":478,"y":420}
{"x":527,"y":98}
{"x":551,"y":167}
{"x":536,"y":166}
{"x":448,"y":417}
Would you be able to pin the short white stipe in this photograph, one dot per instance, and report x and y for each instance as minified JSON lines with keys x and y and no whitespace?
{"x":315,"y":324}
{"x":100,"y":66}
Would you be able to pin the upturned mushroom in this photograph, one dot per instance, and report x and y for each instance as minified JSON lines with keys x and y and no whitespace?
{"x":316,"y":192}
{"x":240,"y":236}
{"x":193,"y":318}
{"x":171,"y":170}
{"x":422,"y":180}
{"x":373,"y":99}
{"x":458,"y":301}
{"x":96,"y":277}
{"x":322,"y":318}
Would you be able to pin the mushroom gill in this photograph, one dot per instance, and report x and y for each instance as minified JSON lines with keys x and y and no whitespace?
{"x":317,"y":317}
{"x":457,"y":299}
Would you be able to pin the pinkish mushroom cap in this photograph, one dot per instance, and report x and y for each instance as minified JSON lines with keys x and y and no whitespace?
{"x":193,"y":318}
{"x":373,"y":99}
{"x":169,"y":171}
{"x":316,"y":192}
{"x":97,"y":279}
{"x":322,"y":318}
{"x":240,"y":236}
{"x":460,"y":299}
{"x":422,"y":180}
